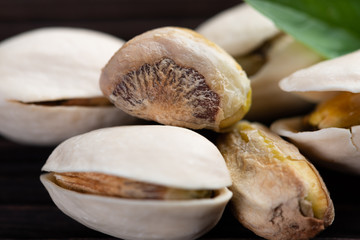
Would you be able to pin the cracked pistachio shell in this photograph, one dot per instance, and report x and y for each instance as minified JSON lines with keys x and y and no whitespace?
{"x":48,"y":65}
{"x":338,"y":148}
{"x":283,"y":56}
{"x":177,"y":77}
{"x":164,"y":155}
{"x":278,"y":194}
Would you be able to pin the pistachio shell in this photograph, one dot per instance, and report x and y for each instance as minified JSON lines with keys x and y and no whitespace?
{"x":323,"y":80}
{"x":283,"y":56}
{"x":238,"y":30}
{"x":164,"y":155}
{"x":268,"y":99}
{"x":177,"y":77}
{"x":52,"y":64}
{"x":337,"y":148}
{"x":44,"y":125}
{"x":139,"y":219}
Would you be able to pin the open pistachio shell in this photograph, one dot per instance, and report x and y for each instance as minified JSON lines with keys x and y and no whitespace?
{"x":238,"y":30}
{"x":284,"y":57}
{"x":265,"y":54}
{"x":163,"y":155}
{"x":43,"y":68}
{"x":337,"y":148}
{"x":326,"y":79}
{"x":278,"y":194}
{"x":334,"y":147}
{"x":177,"y":77}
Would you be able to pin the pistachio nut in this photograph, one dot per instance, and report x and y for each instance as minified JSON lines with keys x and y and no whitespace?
{"x":49,"y":85}
{"x":331,"y":133}
{"x":278,"y":194}
{"x":266,"y":54}
{"x":177,"y":77}
{"x":140,"y":182}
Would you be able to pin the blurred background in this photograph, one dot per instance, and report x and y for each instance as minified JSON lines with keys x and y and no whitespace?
{"x":122,"y":18}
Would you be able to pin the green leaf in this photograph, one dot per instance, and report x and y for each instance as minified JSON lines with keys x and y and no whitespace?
{"x":330,"y":27}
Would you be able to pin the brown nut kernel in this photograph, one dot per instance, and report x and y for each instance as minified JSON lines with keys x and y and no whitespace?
{"x":176,"y":77}
{"x":108,"y":185}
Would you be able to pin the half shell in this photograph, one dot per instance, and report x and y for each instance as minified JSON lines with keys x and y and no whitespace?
{"x":164,"y":155}
{"x":338,"y":148}
{"x":43,"y":67}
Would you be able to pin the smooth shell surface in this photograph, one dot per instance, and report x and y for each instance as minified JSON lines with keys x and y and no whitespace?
{"x":139,"y":219}
{"x":321,"y":81}
{"x":268,"y":99}
{"x":337,"y":148}
{"x":177,"y":77}
{"x":238,"y":30}
{"x":52,"y":64}
{"x":164,"y":155}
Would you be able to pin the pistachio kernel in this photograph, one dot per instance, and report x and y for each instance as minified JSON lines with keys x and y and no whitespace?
{"x":167,"y":87}
{"x":342,"y":111}
{"x":114,"y":186}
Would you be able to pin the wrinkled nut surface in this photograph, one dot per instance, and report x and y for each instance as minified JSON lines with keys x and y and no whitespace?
{"x":265,"y":54}
{"x":176,"y":77}
{"x":49,"y":85}
{"x":140,"y":182}
{"x":330,"y":134}
{"x":278,"y":194}
{"x":342,"y":111}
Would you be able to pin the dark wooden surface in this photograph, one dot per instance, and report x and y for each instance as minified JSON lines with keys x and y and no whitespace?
{"x":26,"y":210}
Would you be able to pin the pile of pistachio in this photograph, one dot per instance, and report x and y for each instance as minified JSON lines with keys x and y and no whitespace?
{"x":131,"y":161}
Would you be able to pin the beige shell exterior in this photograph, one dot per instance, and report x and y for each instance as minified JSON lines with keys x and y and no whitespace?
{"x":324,"y":80}
{"x":284,"y":57}
{"x":140,"y":219}
{"x":189,"y":50}
{"x":337,"y":148}
{"x":240,"y":30}
{"x":53,"y":64}
{"x":165,"y":155}
{"x":44,"y":125}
